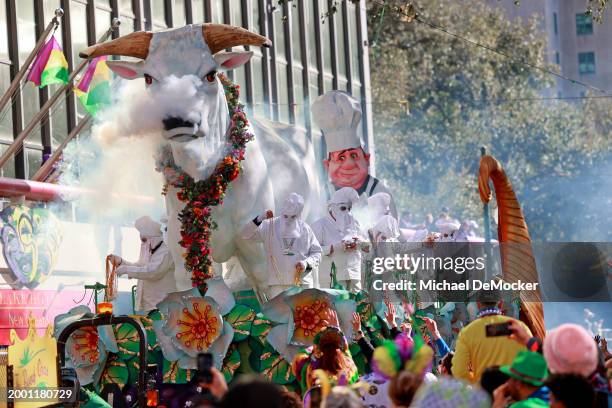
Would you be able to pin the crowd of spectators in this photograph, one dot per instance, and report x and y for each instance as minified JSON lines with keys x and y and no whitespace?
{"x":569,"y":368}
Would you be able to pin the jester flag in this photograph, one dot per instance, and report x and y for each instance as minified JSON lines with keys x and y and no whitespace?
{"x":93,"y":89}
{"x":50,"y":65}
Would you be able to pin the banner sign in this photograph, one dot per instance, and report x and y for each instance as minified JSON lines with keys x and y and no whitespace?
{"x":44,"y":305}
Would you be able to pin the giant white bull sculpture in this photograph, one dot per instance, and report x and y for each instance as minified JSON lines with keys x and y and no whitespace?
{"x":195,"y":135}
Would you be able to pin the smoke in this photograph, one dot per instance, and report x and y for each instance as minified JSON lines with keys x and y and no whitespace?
{"x":116,"y":163}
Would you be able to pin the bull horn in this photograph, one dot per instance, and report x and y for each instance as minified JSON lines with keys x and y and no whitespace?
{"x":130,"y":45}
{"x":222,"y":36}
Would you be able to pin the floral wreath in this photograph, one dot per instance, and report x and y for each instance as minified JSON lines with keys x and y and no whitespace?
{"x":200,"y":196}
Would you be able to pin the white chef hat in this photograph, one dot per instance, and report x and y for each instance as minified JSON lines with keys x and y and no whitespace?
{"x":345,"y":195}
{"x":338,"y":115}
{"x":379,"y":203}
{"x":147,"y":227}
{"x":387,"y":226}
{"x":446,"y":226}
{"x":293,"y":205}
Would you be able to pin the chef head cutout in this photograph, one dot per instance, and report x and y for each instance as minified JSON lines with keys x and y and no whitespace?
{"x":339,"y":116}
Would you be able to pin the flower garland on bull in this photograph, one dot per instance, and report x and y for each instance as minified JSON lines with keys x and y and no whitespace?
{"x":200,"y":196}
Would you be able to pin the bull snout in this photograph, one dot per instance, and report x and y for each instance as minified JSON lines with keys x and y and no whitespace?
{"x":176,"y":128}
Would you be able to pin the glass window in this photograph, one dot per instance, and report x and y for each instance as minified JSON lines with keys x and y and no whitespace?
{"x":325,"y":36}
{"x":197,"y":11}
{"x":279,"y":33}
{"x":258,"y":90}
{"x":355,"y":46}
{"x":3,"y":33}
{"x":216,"y":9}
{"x":584,"y":24}
{"x":6,"y":119}
{"x":555,"y":23}
{"x":126,"y":26}
{"x":311,"y":20}
{"x":296,"y":43}
{"x":240,"y":79}
{"x":328,"y":83}
{"x":557,"y":58}
{"x":26,"y":42}
{"x":158,"y":12}
{"x":586,"y":62}
{"x":78,"y":21}
{"x":253,"y":9}
{"x":49,"y":7}
{"x":59,"y":122}
{"x":340,"y":44}
{"x":103,"y":22}
{"x":298,"y":94}
{"x":126,"y":7}
{"x":33,"y":161}
{"x":8,"y":170}
{"x":235,"y":12}
{"x":283,"y":95}
{"x":78,"y":30}
{"x":314,"y":85}
{"x":178,"y":12}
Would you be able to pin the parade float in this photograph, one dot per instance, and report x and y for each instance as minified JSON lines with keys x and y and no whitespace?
{"x":217,"y":174}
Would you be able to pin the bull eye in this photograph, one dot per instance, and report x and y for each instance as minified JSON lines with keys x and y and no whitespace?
{"x":211,"y":76}
{"x":148,"y":79}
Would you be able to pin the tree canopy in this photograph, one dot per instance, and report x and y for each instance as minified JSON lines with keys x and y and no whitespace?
{"x":437,"y":99}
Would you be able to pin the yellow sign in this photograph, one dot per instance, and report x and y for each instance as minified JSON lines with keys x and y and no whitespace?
{"x":34,"y":361}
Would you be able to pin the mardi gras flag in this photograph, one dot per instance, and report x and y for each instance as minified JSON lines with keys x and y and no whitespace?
{"x":50,"y":65}
{"x":93,"y":89}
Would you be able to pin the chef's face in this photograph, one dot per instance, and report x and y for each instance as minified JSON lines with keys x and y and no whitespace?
{"x":348,"y":168}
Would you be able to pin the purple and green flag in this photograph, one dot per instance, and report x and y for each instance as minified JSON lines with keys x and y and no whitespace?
{"x":94,"y":88}
{"x":50,"y":65}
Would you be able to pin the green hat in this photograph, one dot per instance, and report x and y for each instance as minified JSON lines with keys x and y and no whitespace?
{"x":529,"y":367}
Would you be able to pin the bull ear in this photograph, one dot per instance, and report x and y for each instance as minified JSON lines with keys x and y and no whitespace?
{"x":126,"y":69}
{"x":232,"y":59}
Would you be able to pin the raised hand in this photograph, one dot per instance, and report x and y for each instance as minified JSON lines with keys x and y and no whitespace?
{"x":390,"y":314}
{"x":356,"y":322}
{"x":432,"y":326}
{"x":116,"y":260}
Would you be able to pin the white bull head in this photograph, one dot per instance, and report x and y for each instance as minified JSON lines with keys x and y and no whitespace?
{"x":178,"y":59}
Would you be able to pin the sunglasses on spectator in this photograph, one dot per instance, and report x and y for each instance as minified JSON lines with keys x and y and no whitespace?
{"x":345,"y":208}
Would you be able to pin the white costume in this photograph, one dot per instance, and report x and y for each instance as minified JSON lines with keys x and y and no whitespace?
{"x":447,"y":227}
{"x":335,"y":231}
{"x":386,"y":229}
{"x":154,"y":269}
{"x":288,"y":241}
{"x":339,"y":116}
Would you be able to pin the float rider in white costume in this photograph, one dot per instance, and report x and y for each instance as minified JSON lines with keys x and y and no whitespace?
{"x":347,"y":164}
{"x":342,"y":242}
{"x":379,"y":205}
{"x":384,"y":238}
{"x":154,"y":269}
{"x":292,"y":250}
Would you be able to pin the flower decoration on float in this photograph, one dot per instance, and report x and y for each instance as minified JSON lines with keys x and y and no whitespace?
{"x":192,"y":324}
{"x":300,"y":314}
{"x":87,"y":348}
{"x":201,"y":196}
